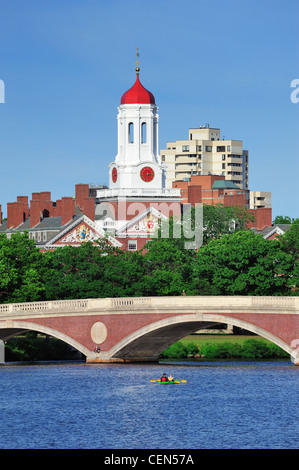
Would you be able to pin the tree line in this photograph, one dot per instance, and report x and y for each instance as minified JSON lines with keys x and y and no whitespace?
{"x":232,"y":260}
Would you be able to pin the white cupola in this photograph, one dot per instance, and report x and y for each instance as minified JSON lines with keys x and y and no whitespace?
{"x":137,"y":164}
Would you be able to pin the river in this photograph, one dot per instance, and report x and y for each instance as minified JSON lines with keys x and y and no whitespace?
{"x":223,"y":405}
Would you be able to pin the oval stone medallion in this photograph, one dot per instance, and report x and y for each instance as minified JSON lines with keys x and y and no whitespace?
{"x":98,"y":332}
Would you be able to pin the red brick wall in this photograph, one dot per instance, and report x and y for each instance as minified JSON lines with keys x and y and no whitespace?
{"x":39,"y":203}
{"x":89,"y":207}
{"x":183,"y":186}
{"x":67,"y":209}
{"x":81,"y":193}
{"x":284,"y":326}
{"x":16,"y":213}
{"x":194,"y":194}
{"x":263,"y":218}
{"x":24,"y":200}
{"x":235,"y":199}
{"x":205,"y":181}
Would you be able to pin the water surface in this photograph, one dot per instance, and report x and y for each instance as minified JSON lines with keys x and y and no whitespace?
{"x":83,"y":406}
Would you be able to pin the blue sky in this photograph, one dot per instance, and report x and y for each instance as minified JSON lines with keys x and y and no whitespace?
{"x":66,"y":63}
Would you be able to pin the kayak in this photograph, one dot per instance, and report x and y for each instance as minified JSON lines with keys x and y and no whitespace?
{"x":169,"y":383}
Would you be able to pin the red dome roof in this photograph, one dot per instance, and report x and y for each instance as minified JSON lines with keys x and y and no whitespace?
{"x":137,"y":94}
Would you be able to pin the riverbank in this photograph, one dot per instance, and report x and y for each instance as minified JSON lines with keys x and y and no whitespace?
{"x":224,"y":347}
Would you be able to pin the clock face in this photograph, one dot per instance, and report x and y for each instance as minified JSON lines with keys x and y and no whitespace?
{"x":114,"y":175}
{"x":147,"y":174}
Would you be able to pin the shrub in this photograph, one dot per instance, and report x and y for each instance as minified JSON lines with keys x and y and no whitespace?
{"x":176,"y":350}
{"x":191,"y":349}
{"x":251,"y":349}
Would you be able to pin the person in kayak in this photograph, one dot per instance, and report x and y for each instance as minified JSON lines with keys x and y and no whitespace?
{"x":164,"y":378}
{"x":170,"y":378}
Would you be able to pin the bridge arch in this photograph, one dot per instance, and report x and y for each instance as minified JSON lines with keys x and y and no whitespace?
{"x":24,"y":325}
{"x":150,"y":341}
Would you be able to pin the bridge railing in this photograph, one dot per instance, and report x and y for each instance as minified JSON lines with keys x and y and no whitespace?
{"x":183,"y":303}
{"x":44,"y":306}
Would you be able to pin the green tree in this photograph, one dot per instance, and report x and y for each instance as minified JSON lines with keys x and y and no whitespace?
{"x":290,"y":245}
{"x":219,"y":220}
{"x":75,"y":272}
{"x":290,"y":240}
{"x":167,"y":262}
{"x":21,"y":267}
{"x":283,"y":219}
{"x":93,"y":271}
{"x":243,"y":263}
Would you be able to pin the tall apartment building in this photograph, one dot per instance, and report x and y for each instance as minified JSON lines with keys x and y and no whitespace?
{"x":203,"y":153}
{"x":260,"y":199}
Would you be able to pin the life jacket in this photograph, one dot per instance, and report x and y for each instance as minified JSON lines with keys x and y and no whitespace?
{"x":164,"y":379}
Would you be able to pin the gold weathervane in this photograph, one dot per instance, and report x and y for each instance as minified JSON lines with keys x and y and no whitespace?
{"x":137,"y":63}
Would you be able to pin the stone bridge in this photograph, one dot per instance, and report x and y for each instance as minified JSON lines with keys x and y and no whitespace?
{"x":139,"y":329}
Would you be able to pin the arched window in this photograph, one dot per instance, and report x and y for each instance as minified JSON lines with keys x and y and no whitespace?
{"x":143,"y":133}
{"x":131,"y":133}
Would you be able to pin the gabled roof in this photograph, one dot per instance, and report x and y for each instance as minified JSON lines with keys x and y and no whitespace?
{"x":143,"y":225}
{"x":79,"y":230}
{"x":268,"y":232}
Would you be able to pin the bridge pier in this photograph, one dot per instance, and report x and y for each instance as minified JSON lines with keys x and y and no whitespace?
{"x":2,"y":352}
{"x":295,"y":359}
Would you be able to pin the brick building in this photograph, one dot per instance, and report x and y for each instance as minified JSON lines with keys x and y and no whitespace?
{"x":129,"y":211}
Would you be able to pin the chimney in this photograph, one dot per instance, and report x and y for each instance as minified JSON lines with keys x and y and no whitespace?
{"x":67,"y":209}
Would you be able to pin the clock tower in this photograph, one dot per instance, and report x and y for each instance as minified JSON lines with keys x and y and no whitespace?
{"x":137,"y":164}
{"x":137,"y":197}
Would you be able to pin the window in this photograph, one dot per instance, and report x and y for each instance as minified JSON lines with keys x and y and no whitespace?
{"x":45,"y":236}
{"x":131,"y":133}
{"x":143,"y":133}
{"x":208,"y":148}
{"x":132,"y":245}
{"x":198,"y":148}
{"x":223,"y":166}
{"x":185,"y":148}
{"x":223,"y":156}
{"x":221,"y":148}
